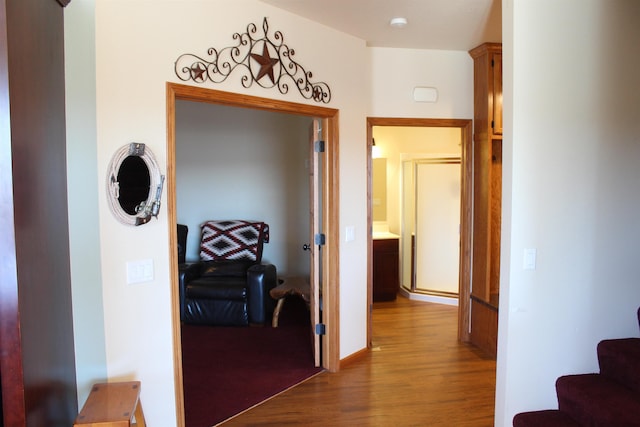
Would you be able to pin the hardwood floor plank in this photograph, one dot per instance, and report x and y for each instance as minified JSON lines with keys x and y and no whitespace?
{"x":416,"y":374}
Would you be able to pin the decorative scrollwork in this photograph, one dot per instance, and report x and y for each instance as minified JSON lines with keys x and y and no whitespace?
{"x":255,"y":58}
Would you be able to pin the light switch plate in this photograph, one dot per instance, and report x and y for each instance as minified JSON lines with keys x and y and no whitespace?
{"x":349,"y":233}
{"x":139,"y":271}
{"x":529,"y":259}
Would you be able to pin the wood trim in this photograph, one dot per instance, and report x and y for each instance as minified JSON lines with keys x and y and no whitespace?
{"x":466,"y":234}
{"x":485,"y":326}
{"x":418,"y":122}
{"x":369,"y":233}
{"x":355,"y":357}
{"x":173,"y":254}
{"x":331,"y":225}
{"x":212,"y":96}
{"x":331,"y":212}
{"x":465,"y":126}
{"x":484,"y":48}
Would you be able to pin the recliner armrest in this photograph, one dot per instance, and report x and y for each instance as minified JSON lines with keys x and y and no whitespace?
{"x":261,"y":278}
{"x":186,"y":273}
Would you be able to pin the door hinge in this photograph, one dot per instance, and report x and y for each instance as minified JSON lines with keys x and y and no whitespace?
{"x":492,"y":124}
{"x":492,"y":63}
{"x":320,"y":329}
{"x":319,"y":239}
{"x":318,"y":146}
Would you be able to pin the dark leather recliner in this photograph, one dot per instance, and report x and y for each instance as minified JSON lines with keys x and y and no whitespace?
{"x":229,"y":286}
{"x":183,"y":230}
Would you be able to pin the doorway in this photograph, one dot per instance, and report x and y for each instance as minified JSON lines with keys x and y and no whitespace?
{"x":464,"y":268}
{"x":329,"y":214}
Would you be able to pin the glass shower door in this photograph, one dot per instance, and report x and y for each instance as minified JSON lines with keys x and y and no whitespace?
{"x":407,"y":253}
{"x":437,"y":245}
{"x":430,"y":251}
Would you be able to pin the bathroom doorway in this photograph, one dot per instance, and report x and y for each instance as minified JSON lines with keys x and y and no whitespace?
{"x":405,"y":148}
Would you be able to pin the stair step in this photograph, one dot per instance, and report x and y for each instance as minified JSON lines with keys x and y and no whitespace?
{"x":546,"y":418}
{"x":620,"y":361}
{"x":594,"y":400}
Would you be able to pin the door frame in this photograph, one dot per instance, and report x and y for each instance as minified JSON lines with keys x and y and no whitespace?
{"x":330,"y":214}
{"x":465,"y":126}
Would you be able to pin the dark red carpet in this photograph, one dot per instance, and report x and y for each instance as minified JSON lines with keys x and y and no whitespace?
{"x":227,"y":370}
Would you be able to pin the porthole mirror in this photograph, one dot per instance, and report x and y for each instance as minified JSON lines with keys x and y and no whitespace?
{"x":134,"y":184}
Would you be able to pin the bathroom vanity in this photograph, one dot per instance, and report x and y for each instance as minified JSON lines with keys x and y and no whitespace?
{"x":386,"y":272}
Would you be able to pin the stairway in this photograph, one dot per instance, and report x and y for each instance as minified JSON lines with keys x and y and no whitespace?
{"x":610,"y":398}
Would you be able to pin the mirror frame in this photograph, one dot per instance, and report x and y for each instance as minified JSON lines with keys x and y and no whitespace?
{"x":148,"y":208}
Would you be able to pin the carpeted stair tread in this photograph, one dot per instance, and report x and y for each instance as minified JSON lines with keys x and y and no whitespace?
{"x":546,"y":418}
{"x":593,"y":400}
{"x":620,"y":361}
{"x":608,"y":399}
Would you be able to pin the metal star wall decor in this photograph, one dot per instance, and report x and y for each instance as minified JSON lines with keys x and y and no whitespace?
{"x":260,"y":58}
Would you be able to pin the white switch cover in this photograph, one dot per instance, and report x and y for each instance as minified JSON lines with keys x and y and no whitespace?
{"x":139,"y":271}
{"x":529,"y":259}
{"x":349,"y":233}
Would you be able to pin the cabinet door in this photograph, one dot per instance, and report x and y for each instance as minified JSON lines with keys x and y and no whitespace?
{"x":481,"y":245}
{"x":385,"y":269}
{"x":497,"y":93}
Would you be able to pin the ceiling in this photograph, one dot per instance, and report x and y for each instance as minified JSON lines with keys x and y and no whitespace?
{"x":432,"y":24}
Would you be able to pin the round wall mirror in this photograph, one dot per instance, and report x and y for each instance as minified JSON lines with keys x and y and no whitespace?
{"x":134,"y":185}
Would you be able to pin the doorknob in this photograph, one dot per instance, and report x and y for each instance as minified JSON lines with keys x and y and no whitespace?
{"x":306,"y":247}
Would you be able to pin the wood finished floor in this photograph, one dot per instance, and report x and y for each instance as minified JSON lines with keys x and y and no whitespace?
{"x":417,"y":374}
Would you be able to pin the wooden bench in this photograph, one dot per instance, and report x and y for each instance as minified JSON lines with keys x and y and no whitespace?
{"x":112,"y":405}
{"x":289,"y":286}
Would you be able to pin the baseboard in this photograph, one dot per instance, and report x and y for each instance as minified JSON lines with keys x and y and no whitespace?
{"x":429,"y":298}
{"x":354,"y":357}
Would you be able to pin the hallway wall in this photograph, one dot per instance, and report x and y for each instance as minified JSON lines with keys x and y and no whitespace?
{"x":581,"y":209}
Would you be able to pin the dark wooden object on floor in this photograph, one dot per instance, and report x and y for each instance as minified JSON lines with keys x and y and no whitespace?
{"x":112,"y":405}
{"x":290,"y":286}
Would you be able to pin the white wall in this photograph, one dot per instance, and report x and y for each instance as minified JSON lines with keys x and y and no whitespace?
{"x":84,"y":239}
{"x":238,"y":163}
{"x":395,"y":72}
{"x":571,"y":155}
{"x":137,"y":43}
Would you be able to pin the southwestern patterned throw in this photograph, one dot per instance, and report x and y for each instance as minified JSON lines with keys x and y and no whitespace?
{"x":233,"y":240}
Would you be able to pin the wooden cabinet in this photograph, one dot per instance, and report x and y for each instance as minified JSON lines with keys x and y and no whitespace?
{"x":487,"y":89}
{"x":386,"y":269}
{"x":487,"y":194}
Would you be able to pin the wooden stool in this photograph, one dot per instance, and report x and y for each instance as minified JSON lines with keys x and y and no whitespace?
{"x":112,"y":405}
{"x":290,"y":286}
